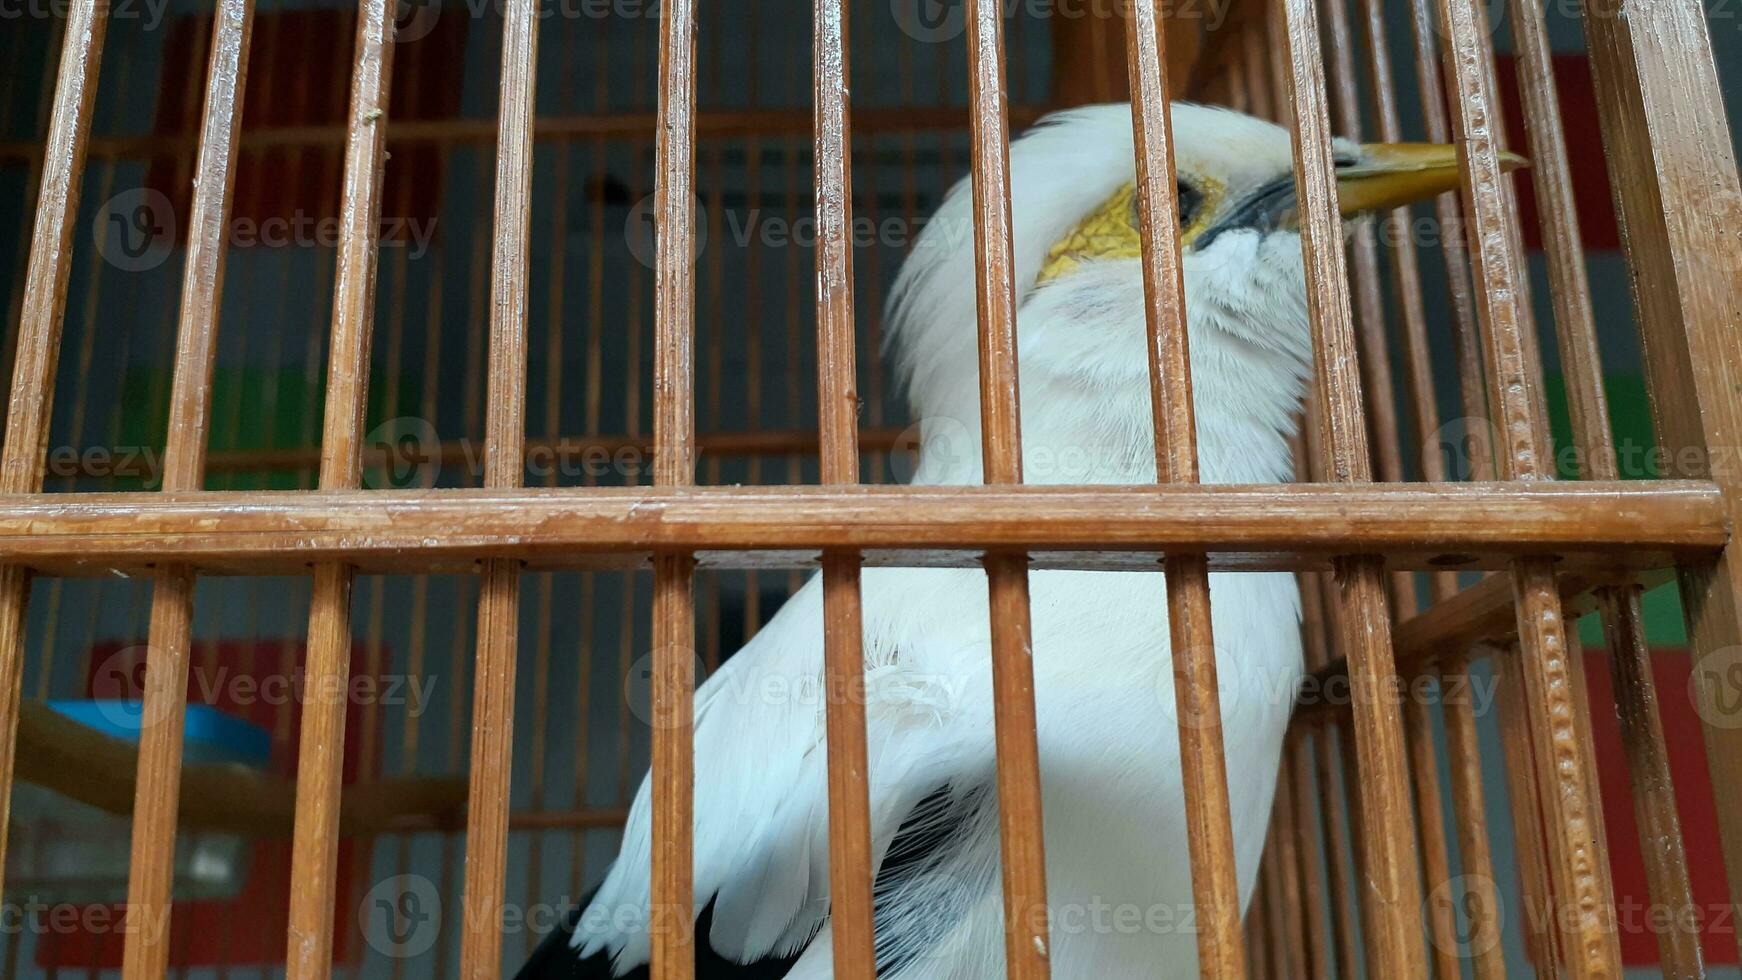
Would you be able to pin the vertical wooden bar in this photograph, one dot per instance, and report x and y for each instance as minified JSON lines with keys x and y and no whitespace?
{"x":1377,"y":377}
{"x":1536,"y":890}
{"x":1481,"y":900}
{"x":674,"y":427}
{"x":1678,"y":198}
{"x":1391,"y":892}
{"x":1027,"y":944}
{"x":1210,"y":837}
{"x":1472,"y":393}
{"x":504,"y":468}
{"x":850,"y":856}
{"x":31,"y":401}
{"x":1635,"y":691}
{"x":156,"y":797}
{"x":1468,"y":808}
{"x":1327,"y":743}
{"x":1430,"y":821}
{"x":1363,"y":257}
{"x":1307,"y":847}
{"x":321,"y":758}
{"x":1294,"y":925}
{"x":1578,"y":863}
{"x":1405,"y":267}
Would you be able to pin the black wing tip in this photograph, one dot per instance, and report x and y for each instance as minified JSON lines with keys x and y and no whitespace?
{"x":555,"y":959}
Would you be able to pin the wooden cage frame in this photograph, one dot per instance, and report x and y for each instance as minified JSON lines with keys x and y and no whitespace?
{"x":1568,"y":545}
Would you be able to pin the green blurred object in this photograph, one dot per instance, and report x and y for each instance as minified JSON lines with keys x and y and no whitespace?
{"x":1630,"y":420}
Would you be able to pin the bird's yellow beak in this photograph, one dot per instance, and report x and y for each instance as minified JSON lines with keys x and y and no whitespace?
{"x":1390,"y":175}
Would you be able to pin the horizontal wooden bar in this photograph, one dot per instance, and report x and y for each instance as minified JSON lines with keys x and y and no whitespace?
{"x":1630,"y":524}
{"x":1483,"y":614}
{"x":739,"y":124}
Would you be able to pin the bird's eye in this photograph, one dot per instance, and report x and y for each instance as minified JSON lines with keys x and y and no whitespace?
{"x":1190,"y":201}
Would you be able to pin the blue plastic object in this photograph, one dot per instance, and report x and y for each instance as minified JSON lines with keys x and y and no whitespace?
{"x":209,"y":735}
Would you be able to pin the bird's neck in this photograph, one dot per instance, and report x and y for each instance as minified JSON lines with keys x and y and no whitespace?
{"x":1091,"y":431}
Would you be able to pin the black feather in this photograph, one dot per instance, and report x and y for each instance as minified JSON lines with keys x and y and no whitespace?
{"x":933,"y":826}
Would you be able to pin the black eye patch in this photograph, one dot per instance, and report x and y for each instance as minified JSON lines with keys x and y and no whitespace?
{"x":1191,"y":201}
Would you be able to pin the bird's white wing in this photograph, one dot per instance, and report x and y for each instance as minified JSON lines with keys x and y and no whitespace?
{"x":761,"y":838}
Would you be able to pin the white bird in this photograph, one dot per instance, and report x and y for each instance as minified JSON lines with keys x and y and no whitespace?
{"x":1119,"y":887}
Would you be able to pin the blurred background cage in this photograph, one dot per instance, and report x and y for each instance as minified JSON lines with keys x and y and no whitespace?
{"x":581,"y":700}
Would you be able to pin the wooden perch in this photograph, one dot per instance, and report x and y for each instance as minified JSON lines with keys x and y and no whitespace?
{"x":60,"y":754}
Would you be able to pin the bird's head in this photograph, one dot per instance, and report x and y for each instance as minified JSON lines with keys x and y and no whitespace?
{"x":1078,"y":253}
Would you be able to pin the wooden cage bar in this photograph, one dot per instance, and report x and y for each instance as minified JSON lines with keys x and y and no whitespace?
{"x":151,"y":872}
{"x":1472,"y":393}
{"x":30,"y":402}
{"x":1590,"y":526}
{"x":320,"y":761}
{"x":674,"y":427}
{"x":1023,"y":852}
{"x":851,"y":929}
{"x":1358,"y":867}
{"x":1661,"y":845}
{"x":1210,"y":836}
{"x":498,"y":624}
{"x":1673,"y":174}
{"x":1391,"y":892}
{"x":1578,"y":862}
{"x":1481,"y":900}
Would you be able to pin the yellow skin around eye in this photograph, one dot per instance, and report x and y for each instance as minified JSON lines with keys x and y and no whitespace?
{"x":1110,"y":232}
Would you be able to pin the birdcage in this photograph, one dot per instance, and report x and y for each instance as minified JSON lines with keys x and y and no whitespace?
{"x":410,"y":402}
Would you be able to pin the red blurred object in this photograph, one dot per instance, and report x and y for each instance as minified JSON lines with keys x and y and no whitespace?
{"x":1578,"y":103}
{"x":299,"y":76}
{"x":1672,"y":670}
